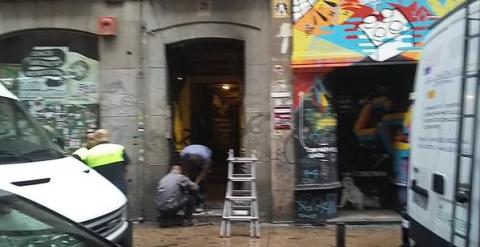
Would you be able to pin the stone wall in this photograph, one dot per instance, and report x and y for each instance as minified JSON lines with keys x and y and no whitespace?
{"x":133,"y":74}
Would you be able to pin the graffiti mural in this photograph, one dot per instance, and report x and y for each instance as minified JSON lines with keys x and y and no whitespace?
{"x":333,"y":32}
{"x":315,"y":131}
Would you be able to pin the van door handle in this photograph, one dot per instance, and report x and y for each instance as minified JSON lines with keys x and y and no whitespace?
{"x":419,"y":190}
{"x":32,"y":182}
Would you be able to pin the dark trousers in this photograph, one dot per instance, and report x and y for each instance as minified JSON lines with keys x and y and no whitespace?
{"x":192,"y":171}
{"x":169,"y":217}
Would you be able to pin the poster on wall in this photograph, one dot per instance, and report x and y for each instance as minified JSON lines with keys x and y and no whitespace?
{"x":55,"y":74}
{"x":83,"y":76}
{"x":43,"y":74}
{"x":67,"y":123}
{"x":59,"y":88}
{"x":315,"y":129}
{"x":329,"y":33}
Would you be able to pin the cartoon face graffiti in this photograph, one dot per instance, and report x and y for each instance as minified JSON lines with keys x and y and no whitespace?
{"x":333,"y":11}
{"x":350,"y":31}
{"x":311,"y":16}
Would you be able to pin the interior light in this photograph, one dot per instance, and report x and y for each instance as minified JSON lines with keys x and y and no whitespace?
{"x":179,"y":78}
{"x":226,"y":87}
{"x":469,"y":96}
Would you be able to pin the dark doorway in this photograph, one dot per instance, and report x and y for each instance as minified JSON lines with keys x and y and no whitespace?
{"x":371,"y":104}
{"x":206,"y":97}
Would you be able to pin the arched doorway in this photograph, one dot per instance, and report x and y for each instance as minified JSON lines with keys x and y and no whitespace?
{"x":206,"y":87}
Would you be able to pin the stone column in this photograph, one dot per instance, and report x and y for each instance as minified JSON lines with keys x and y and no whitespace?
{"x":282,"y":147}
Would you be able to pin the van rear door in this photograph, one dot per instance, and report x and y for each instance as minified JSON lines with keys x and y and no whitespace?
{"x":434,"y":136}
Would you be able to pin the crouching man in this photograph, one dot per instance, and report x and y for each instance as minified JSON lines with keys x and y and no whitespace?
{"x":175,"y":192}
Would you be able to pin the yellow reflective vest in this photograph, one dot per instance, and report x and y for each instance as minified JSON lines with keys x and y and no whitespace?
{"x":105,"y":154}
{"x":81,"y":153}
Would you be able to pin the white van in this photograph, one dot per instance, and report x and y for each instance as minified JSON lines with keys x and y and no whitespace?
{"x":33,"y":167}
{"x":436,"y":114}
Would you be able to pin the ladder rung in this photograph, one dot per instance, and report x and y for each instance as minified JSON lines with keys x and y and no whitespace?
{"x":245,"y":179}
{"x":469,"y":115}
{"x":240,"y":194}
{"x":470,"y":156}
{"x":241,"y":191}
{"x":460,"y":235}
{"x":240,"y":207}
{"x":246,"y":161}
{"x":473,"y":36}
{"x":240,"y":175}
{"x":240,"y":212}
{"x":240,"y":217}
{"x":471,"y":75}
{"x":241,"y":198}
{"x":473,"y":19}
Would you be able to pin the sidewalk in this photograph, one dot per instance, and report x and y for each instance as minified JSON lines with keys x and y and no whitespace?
{"x":149,"y":235}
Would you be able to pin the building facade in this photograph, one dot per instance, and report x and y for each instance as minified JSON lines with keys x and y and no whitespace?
{"x":126,"y":80}
{"x":263,"y":75}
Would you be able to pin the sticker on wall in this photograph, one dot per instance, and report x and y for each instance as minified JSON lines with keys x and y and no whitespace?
{"x":279,"y":69}
{"x":203,"y":8}
{"x":283,"y":102}
{"x":281,"y":94}
{"x":281,"y":8}
{"x":282,"y":117}
{"x":285,"y":33}
{"x":279,"y":86}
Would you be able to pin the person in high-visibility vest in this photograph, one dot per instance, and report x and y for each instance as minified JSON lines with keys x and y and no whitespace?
{"x":82,"y":153}
{"x":108,"y":159}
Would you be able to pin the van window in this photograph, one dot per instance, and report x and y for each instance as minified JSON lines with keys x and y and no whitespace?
{"x":21,"y":138}
{"x":24,"y":223}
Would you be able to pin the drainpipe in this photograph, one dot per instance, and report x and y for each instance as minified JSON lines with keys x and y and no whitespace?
{"x":141,"y":116}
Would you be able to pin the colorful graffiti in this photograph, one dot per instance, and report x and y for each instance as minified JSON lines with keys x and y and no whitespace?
{"x":342,"y":32}
{"x":315,"y":131}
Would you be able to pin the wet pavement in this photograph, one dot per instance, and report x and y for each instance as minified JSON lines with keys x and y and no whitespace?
{"x":149,"y":235}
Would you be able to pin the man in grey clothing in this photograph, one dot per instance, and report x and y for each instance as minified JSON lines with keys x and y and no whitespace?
{"x":175,"y":192}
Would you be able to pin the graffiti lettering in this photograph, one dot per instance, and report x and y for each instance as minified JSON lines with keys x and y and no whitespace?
{"x":254,"y":125}
{"x":315,"y":205}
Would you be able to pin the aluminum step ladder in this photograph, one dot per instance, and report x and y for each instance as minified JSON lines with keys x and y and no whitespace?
{"x":241,"y":204}
{"x":467,"y":128}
